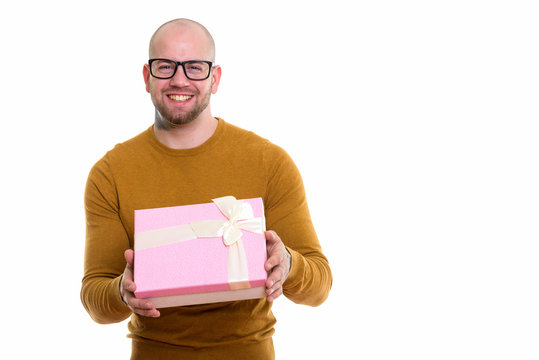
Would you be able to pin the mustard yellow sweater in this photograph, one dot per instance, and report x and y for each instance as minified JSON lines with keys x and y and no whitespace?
{"x":142,"y":173}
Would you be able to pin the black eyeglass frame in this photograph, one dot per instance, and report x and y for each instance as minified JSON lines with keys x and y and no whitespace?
{"x":182,"y":64}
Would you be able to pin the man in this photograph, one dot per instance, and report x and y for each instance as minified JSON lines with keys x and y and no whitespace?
{"x":188,"y":157}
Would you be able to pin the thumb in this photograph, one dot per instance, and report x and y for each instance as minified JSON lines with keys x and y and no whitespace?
{"x":270,"y":235}
{"x":129,"y":256}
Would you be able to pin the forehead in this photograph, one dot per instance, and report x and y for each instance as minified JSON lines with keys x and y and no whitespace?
{"x":180,"y":42}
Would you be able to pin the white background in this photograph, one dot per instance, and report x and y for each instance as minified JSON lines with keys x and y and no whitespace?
{"x":414,"y":124}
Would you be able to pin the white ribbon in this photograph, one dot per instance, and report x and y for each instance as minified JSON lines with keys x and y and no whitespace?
{"x":240,"y":217}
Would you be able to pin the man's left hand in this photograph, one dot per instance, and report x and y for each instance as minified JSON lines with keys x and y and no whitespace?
{"x":278,"y":265}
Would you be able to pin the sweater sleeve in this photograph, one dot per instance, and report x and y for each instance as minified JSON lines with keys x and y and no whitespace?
{"x":106,"y":241}
{"x":287,"y":213}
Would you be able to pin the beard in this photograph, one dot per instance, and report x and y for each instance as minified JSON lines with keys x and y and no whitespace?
{"x":167,"y":119}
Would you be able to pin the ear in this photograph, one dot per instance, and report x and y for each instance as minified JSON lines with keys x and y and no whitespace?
{"x":146,"y":74}
{"x":216,"y":77}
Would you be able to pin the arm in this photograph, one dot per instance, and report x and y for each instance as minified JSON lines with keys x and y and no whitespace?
{"x":106,"y":241}
{"x":309,"y":278}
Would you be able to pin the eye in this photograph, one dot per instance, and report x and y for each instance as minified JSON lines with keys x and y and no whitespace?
{"x":163,"y":67}
{"x":195,"y":67}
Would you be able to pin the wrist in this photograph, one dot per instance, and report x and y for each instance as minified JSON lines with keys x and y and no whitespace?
{"x":120,"y":289}
{"x":288,"y":261}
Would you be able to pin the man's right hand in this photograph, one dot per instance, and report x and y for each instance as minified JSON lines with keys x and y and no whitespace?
{"x":127,"y":288}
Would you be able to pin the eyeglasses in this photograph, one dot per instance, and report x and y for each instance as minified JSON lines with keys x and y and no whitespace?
{"x":193,"y":69}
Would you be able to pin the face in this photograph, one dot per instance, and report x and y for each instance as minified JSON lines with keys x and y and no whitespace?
{"x":179,"y":100}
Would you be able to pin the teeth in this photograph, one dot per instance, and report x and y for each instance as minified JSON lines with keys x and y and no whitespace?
{"x":180,"y":97}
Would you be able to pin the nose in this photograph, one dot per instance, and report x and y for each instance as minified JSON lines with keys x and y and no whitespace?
{"x":179,"y":79}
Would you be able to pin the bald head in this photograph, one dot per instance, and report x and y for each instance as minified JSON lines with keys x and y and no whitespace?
{"x":177,"y":30}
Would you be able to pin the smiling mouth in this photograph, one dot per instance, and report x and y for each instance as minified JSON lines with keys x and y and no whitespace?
{"x":179,"y":98}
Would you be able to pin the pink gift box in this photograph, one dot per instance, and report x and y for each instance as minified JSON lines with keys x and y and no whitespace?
{"x":181,"y":257}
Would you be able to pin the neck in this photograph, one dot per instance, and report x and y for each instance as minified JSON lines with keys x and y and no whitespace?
{"x":186,"y":136}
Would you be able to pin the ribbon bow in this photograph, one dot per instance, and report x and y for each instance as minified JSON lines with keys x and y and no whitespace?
{"x":240,"y":217}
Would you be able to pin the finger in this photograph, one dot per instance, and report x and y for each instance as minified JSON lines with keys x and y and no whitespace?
{"x":128,"y":284}
{"x":143,"y":307}
{"x":274,"y":286}
{"x":276,"y":256}
{"x":271,"y":235}
{"x":274,"y":259}
{"x":271,"y":238}
{"x":274,"y":295}
{"x":275,"y":249}
{"x":139,"y":305}
{"x":147,"y":312}
{"x":277,"y":275}
{"x":129,"y":257}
